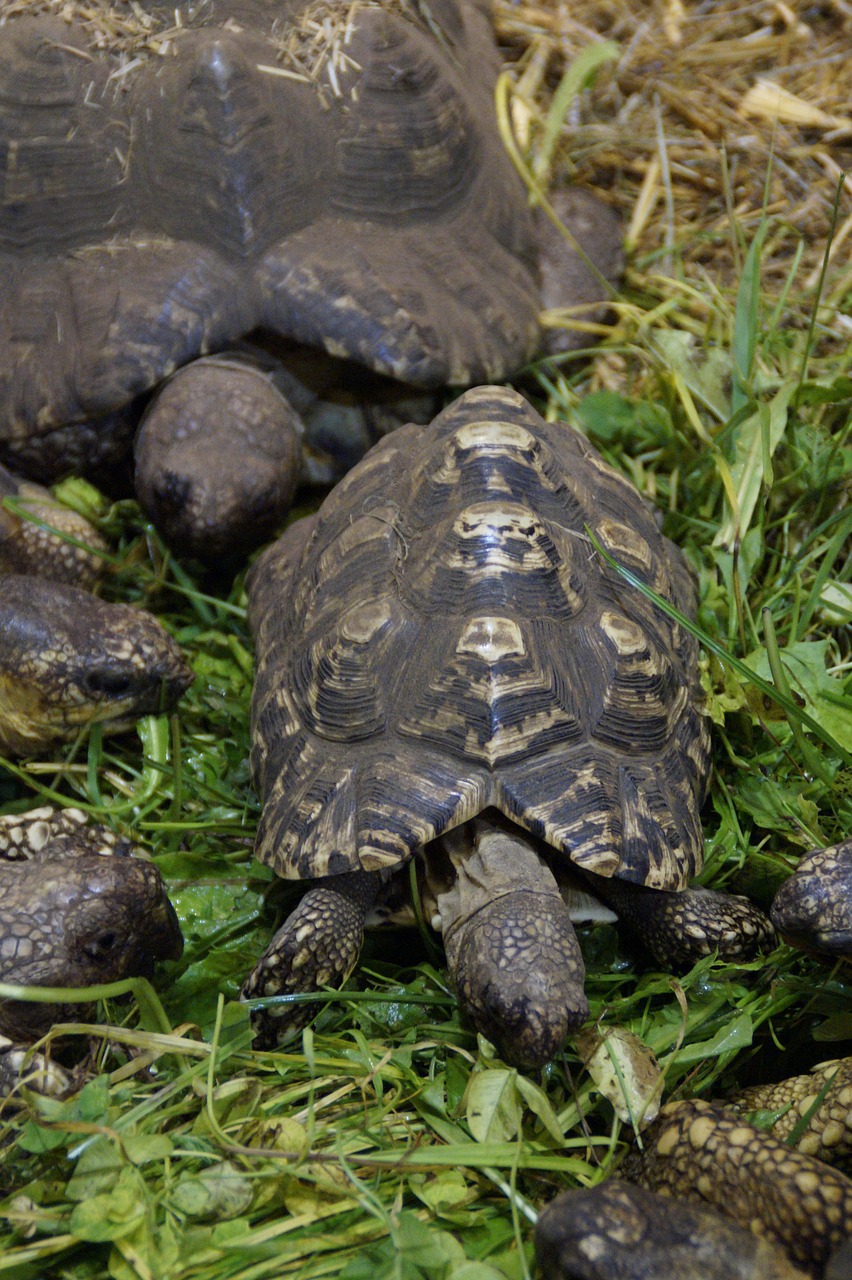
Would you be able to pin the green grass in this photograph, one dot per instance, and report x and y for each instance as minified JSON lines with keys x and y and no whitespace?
{"x":387,"y":1142}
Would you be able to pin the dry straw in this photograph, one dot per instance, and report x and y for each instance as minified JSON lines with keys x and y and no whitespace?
{"x":709,"y":117}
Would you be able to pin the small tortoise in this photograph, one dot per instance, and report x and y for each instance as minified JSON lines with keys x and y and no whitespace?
{"x":813,"y":909}
{"x":68,"y":659}
{"x":76,"y":910}
{"x":448,"y":671}
{"x":315,"y":172}
{"x":616,"y":1231}
{"x":40,"y":535}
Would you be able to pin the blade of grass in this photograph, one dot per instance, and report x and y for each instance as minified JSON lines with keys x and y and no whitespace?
{"x":736,"y":664}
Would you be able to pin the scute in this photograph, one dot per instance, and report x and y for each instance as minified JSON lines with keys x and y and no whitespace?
{"x":453,"y":642}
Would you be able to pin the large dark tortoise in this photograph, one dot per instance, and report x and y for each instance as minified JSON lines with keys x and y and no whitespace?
{"x":312,"y":172}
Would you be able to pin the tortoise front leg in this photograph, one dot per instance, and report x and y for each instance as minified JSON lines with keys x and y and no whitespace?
{"x":681,"y":928}
{"x":317,"y":946}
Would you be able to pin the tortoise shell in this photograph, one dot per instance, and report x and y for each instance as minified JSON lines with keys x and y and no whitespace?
{"x":182,"y":174}
{"x":442,"y":637}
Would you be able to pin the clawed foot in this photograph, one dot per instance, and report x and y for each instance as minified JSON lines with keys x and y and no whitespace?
{"x":317,"y":947}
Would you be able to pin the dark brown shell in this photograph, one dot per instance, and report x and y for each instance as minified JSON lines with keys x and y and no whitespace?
{"x":442,"y":637}
{"x":328,"y":171}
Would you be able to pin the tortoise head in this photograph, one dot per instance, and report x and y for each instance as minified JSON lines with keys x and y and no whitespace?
{"x":75,"y":921}
{"x":813,"y":909}
{"x":68,"y":660}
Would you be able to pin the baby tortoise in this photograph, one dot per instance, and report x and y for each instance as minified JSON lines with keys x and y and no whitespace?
{"x":448,"y":671}
{"x":313,"y":172}
{"x":68,"y":659}
{"x":813,"y":909}
{"x":78,"y":907}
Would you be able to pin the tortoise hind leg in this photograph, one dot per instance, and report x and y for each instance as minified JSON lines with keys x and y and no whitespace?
{"x":681,"y":928}
{"x":317,"y":946}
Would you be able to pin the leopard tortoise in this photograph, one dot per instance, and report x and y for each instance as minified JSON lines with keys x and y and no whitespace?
{"x":448,"y":671}
{"x":79,"y":906}
{"x":68,"y":659}
{"x":326,"y":173}
{"x":707,"y":1196}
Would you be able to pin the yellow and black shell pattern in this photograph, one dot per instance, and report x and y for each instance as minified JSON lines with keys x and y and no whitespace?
{"x":442,"y":637}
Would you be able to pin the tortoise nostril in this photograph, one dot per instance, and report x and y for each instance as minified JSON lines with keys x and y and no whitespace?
{"x":106,"y":683}
{"x":101,"y":948}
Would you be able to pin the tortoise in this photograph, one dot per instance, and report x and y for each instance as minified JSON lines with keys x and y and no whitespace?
{"x":712,"y":1197}
{"x":317,"y":173}
{"x":703,"y":1152}
{"x":68,"y":659}
{"x":40,"y":535}
{"x":617,"y":1231}
{"x":446,"y":670}
{"x":79,"y":906}
{"x":813,"y":908}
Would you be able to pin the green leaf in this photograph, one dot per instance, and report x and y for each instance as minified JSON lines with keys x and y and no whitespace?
{"x":113,"y":1215}
{"x":415,"y":1251}
{"x":220,"y":1191}
{"x":736,"y":1034}
{"x":778,"y":806}
{"x":538,"y":1102}
{"x":143,"y":1148}
{"x":706,"y":373}
{"x":447,"y":1190}
{"x":745,"y":321}
{"x":234,"y":1100}
{"x":493,"y":1109}
{"x":37,"y":1139}
{"x":579,"y":73}
{"x":468,"y":1270}
{"x":96,"y":1170}
{"x":430,"y":1248}
{"x":823,"y":695}
{"x":93,"y":1101}
{"x":755,"y":442}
